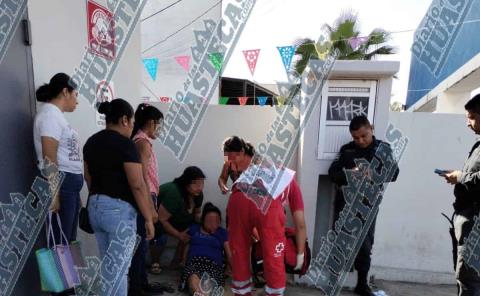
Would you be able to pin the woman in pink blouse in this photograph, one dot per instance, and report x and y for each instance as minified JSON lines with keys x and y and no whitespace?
{"x":148,"y":121}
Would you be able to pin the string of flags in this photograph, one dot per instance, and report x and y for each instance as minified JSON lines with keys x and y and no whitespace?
{"x":286,"y":54}
{"x":261,"y":100}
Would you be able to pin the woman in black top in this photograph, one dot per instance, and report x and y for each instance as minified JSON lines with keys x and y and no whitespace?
{"x":113,"y":172}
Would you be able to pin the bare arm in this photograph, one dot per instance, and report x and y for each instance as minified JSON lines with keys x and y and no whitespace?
{"x":163,"y":216}
{"x":223,"y":179}
{"x":143,"y":148}
{"x":50,"y":149}
{"x":301,"y":230}
{"x":228,"y":252}
{"x":138,"y":187}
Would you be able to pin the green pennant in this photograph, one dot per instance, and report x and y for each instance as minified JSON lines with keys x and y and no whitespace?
{"x":217,"y":60}
{"x":223,"y":100}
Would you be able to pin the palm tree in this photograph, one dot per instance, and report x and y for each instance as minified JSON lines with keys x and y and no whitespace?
{"x":345,"y":28}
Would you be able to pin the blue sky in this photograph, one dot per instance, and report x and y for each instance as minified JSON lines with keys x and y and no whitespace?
{"x":278,"y":22}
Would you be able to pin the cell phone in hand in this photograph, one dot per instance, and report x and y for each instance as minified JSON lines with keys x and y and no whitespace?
{"x":441,"y":172}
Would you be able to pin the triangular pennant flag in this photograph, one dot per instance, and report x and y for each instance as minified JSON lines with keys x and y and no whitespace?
{"x":151,"y":65}
{"x":286,"y":52}
{"x":183,"y":61}
{"x":280,"y":100}
{"x":251,"y":56}
{"x":323,"y":49}
{"x":242,"y":100}
{"x":262,"y":100}
{"x":217,"y":60}
{"x":355,"y":42}
{"x":223,"y":100}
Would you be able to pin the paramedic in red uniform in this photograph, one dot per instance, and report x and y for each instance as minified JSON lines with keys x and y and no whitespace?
{"x":246,"y":212}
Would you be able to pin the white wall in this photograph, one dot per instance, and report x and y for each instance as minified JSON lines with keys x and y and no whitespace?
{"x":412,"y":242}
{"x":59,"y":33}
{"x":164,"y":26}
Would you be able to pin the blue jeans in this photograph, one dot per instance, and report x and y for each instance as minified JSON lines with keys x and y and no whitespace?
{"x":114,"y":222}
{"x":69,"y":194}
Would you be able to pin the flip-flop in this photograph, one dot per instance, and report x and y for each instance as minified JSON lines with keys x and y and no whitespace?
{"x":155,"y":269}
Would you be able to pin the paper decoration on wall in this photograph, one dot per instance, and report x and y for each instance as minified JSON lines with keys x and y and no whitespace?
{"x":101,"y":30}
{"x":151,"y":65}
{"x":355,"y":42}
{"x":251,"y":57}
{"x":183,"y":61}
{"x":223,"y":100}
{"x":104,"y":93}
{"x":164,"y":99}
{"x":262,"y":100}
{"x":280,"y":100}
{"x":286,"y":53}
{"x":323,"y":49}
{"x":243,"y":100}
{"x":217,"y":60}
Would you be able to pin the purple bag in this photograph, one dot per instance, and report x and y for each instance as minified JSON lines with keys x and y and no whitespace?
{"x":63,"y":257}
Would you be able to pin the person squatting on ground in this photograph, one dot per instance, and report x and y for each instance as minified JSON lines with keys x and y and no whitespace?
{"x":148,"y":120}
{"x":244,"y":215}
{"x":56,"y":140}
{"x":114,"y":176}
{"x":363,"y":146}
{"x":467,"y":202}
{"x":180,"y":203}
{"x":206,"y":252}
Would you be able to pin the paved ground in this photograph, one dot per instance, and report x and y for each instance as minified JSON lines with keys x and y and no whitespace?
{"x":391,"y":288}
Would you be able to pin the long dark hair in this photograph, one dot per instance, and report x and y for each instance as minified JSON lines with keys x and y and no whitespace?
{"x":189,"y":175}
{"x":233,"y":144}
{"x":57,"y":84}
{"x":143,"y":114}
{"x":115,"y":110}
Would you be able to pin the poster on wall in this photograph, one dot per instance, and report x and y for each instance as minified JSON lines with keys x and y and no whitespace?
{"x":104,"y":93}
{"x":101,"y":30}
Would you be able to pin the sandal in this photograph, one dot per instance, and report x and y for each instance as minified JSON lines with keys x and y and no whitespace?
{"x":155,"y":268}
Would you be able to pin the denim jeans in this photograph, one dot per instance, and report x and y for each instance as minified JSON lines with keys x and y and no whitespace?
{"x":106,"y":215}
{"x":69,"y":194}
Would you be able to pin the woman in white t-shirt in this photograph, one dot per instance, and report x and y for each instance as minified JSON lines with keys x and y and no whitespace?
{"x":56,"y":140}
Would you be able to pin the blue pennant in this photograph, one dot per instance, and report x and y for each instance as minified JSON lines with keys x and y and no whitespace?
{"x":286,"y":52}
{"x":151,"y":65}
{"x":262,"y":100}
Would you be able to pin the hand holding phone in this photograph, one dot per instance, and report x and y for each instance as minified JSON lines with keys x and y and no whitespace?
{"x":441,"y":172}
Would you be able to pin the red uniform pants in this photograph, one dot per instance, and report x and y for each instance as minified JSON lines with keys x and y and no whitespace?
{"x":243,"y":215}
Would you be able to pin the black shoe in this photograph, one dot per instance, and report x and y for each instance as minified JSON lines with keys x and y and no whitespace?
{"x":363,"y":290}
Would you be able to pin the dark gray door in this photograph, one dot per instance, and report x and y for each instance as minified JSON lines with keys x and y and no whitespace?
{"x":17,"y":156}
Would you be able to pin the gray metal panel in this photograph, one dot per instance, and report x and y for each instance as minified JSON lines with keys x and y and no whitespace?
{"x":17,"y":161}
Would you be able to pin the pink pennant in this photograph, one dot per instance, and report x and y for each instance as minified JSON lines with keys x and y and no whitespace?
{"x":251,"y":56}
{"x":242,"y":100}
{"x":355,"y":42}
{"x":184,"y":61}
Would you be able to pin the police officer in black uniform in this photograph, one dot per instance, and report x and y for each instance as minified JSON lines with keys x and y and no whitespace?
{"x":467,"y":203}
{"x":363,"y":146}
